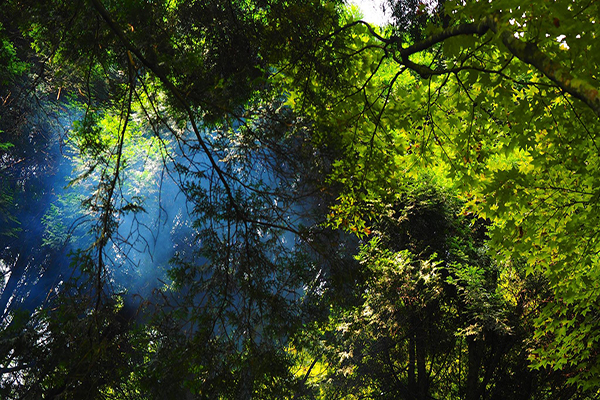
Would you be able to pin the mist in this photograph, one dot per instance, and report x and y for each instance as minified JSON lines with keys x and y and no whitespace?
{"x":53,"y":220}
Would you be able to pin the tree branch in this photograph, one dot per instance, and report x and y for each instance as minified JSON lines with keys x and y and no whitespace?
{"x":530,"y":54}
{"x":176,"y":93}
{"x":475,"y":28}
{"x":10,"y":370}
{"x":527,"y":52}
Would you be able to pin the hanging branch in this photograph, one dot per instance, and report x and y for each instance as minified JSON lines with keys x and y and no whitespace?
{"x":176,"y":93}
{"x":108,"y":207}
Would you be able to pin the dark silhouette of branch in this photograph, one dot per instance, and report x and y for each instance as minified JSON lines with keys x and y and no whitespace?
{"x":174,"y":91}
{"x":527,"y":52}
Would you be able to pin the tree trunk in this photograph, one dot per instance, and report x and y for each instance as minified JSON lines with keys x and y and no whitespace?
{"x":474,"y":366}
{"x":421,"y":352}
{"x":412,"y":386}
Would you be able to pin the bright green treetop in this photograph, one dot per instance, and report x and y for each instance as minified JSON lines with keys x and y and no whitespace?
{"x":501,"y":98}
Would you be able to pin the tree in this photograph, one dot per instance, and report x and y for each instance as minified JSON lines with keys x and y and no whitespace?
{"x":195,"y":76}
{"x":439,"y":318}
{"x":501,"y":98}
{"x":241,"y":99}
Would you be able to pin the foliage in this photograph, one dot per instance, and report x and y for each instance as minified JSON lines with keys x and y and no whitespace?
{"x":500,"y":99}
{"x":161,"y":90}
{"x":67,"y":352}
{"x":440,"y":320}
{"x":12,"y":66}
{"x":300,"y":136}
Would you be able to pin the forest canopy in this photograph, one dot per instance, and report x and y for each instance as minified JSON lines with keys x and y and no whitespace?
{"x":277,"y":199}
